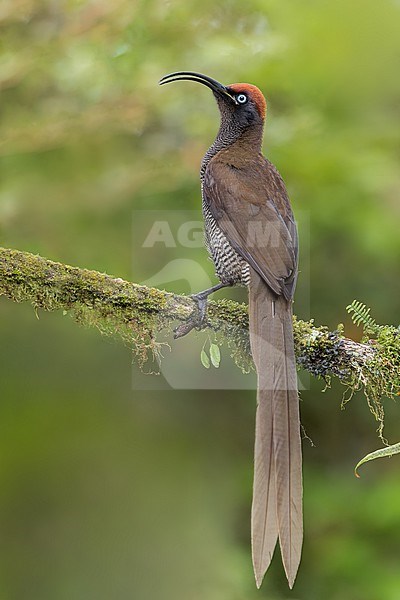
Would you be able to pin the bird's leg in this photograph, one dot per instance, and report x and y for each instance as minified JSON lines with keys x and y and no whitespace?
{"x":202,"y":297}
{"x":198,"y":321}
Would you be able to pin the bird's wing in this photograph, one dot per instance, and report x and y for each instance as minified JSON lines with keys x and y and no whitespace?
{"x":252,"y":209}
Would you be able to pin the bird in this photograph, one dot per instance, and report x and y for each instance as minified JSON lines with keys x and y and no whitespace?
{"x":251,"y":236}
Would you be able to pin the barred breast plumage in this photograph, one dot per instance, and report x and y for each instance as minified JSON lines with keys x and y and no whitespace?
{"x":230,"y":267}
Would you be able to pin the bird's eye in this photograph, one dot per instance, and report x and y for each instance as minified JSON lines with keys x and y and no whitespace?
{"x":241,"y":98}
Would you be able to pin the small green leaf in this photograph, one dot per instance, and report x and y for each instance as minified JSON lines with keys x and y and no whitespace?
{"x":215,"y":355}
{"x":205,"y":361}
{"x":387,"y":451}
{"x":65,"y":312}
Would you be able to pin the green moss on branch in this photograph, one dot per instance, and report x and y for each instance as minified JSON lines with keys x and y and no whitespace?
{"x":141,"y":315}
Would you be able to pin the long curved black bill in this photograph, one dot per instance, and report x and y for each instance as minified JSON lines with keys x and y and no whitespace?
{"x":214,"y":85}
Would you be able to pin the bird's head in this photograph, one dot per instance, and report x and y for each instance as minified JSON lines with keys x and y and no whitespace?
{"x":241,"y":104}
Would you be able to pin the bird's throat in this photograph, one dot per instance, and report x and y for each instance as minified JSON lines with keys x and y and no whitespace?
{"x":235,"y":147}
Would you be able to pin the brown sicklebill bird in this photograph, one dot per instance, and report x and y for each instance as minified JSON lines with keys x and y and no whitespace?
{"x":251,"y":236}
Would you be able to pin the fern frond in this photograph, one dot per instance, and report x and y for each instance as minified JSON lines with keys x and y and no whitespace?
{"x":360,"y":315}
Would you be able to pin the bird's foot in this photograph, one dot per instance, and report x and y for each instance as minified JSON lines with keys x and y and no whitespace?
{"x":198,"y":319}
{"x":201,"y":300}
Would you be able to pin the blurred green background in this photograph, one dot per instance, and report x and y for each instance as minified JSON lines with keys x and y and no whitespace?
{"x":109,"y":489}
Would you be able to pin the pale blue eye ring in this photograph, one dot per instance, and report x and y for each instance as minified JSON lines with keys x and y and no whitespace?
{"x":241,"y":98}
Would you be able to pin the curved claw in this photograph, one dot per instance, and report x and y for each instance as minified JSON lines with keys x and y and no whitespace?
{"x":183,"y":329}
{"x":195,"y":321}
{"x":200,"y":320}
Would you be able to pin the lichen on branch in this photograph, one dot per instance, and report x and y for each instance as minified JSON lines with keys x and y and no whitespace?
{"x":143,"y":316}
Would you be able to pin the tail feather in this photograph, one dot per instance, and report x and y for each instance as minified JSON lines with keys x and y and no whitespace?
{"x":277,"y":491}
{"x":264,"y":524}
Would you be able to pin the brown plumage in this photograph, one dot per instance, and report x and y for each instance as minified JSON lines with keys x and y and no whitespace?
{"x":252,"y":237}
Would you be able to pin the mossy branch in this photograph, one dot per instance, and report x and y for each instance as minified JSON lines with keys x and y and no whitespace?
{"x":140,"y":315}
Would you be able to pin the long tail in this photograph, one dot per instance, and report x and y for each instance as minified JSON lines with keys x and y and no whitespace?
{"x":277,"y":491}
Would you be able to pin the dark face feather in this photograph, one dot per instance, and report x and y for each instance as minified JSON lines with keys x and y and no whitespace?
{"x":242,"y":115}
